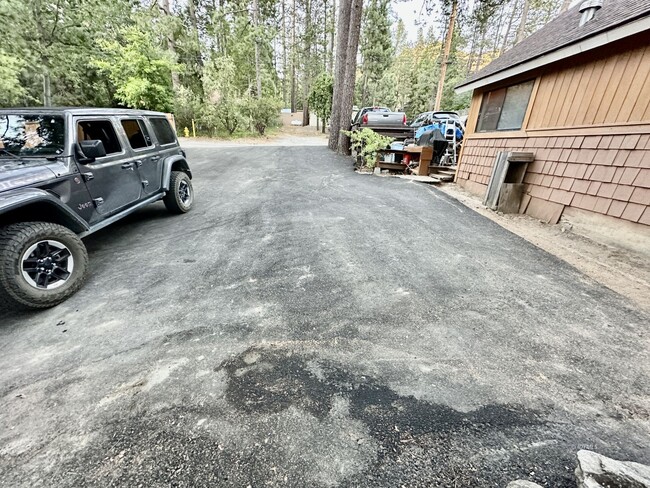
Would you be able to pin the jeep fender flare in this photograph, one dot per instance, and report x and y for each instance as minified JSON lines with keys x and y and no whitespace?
{"x":34,"y":197}
{"x":174,"y":163}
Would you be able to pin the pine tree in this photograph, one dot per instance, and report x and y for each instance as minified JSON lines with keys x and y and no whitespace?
{"x":376,"y":46}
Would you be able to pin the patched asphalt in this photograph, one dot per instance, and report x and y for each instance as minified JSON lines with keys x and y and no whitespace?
{"x":308,"y":326}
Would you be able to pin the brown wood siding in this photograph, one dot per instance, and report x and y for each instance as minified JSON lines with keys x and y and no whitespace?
{"x":610,"y":90}
{"x":606,"y":174}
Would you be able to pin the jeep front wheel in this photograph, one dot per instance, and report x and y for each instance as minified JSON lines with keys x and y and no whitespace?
{"x":180,"y":196}
{"x":41,"y":264}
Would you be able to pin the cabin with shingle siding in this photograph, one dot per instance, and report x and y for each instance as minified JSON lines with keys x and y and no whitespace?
{"x":578,"y":98}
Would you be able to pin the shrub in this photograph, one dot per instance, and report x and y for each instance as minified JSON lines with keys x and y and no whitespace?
{"x":224,"y":115}
{"x":262,"y":113}
{"x":366,"y":142}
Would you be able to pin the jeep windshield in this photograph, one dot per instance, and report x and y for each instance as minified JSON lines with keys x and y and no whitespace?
{"x":28,"y":136}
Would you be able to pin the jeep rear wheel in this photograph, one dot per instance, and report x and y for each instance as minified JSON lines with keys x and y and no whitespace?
{"x":180,"y":196}
{"x":41,"y":264}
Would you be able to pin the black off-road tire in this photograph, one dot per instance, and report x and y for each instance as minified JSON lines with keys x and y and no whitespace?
{"x":15,"y":291}
{"x":176,"y":200}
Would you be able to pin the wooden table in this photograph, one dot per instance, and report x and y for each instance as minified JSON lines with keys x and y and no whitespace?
{"x":423,"y":154}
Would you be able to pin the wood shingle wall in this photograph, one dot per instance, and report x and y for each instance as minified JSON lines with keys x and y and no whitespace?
{"x":588,"y":124}
{"x":609,"y":175}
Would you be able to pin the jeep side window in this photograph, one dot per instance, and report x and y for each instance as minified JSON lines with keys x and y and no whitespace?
{"x":136,"y":133}
{"x":88,"y":130}
{"x":162,"y":129}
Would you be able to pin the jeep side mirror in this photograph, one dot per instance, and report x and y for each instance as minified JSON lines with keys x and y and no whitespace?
{"x":92,"y":149}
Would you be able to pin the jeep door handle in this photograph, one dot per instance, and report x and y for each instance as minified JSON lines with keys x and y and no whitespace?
{"x":138,"y":162}
{"x":155,"y":158}
{"x":127,"y":166}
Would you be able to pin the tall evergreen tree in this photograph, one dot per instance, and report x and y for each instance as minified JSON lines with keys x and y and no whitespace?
{"x":376,"y":46}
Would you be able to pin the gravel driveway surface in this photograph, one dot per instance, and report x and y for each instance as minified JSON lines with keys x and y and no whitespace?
{"x":308,"y":326}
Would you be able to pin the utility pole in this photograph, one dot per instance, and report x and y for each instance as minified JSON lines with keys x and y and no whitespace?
{"x":47,"y":89}
{"x":445,"y":54}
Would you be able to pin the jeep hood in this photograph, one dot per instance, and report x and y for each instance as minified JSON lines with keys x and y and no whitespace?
{"x":18,"y":174}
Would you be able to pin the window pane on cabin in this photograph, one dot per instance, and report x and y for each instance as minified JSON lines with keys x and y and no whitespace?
{"x":514,"y":106}
{"x":491,"y":110}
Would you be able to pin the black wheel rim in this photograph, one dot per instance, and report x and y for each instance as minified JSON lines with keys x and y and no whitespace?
{"x":47,"y":264}
{"x":185,"y":193}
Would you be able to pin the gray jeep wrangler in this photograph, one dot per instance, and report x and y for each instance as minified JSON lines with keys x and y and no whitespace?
{"x":66,"y":173}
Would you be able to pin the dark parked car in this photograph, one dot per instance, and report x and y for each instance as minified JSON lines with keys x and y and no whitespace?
{"x":66,"y":173}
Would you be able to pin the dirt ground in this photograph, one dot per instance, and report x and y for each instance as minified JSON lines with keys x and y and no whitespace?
{"x":621,"y":270}
{"x":283,"y":136}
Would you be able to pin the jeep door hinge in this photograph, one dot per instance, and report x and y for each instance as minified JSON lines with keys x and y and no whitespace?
{"x":98,"y":201}
{"x":88,"y":176}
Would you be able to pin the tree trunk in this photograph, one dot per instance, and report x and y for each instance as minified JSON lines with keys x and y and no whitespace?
{"x":343,"y":30}
{"x":479,"y":56}
{"x":306,"y":82}
{"x":496,"y":40}
{"x":284,"y":54}
{"x":171,"y":45}
{"x":258,"y":72}
{"x":472,"y":52}
{"x":293,"y":56}
{"x":511,"y":21}
{"x":324,"y":43}
{"x":347,"y":94}
{"x":332,"y":28}
{"x":445,"y":55}
{"x":364,"y":90}
{"x":191,"y":4}
{"x":521,"y":31}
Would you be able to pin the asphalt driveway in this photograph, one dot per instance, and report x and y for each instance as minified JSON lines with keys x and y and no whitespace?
{"x":308,"y":326}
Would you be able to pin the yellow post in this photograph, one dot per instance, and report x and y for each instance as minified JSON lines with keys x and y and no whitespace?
{"x":193,"y":129}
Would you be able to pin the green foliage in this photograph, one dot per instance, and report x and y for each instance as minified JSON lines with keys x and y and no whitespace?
{"x":198,"y":59}
{"x":223,"y":116}
{"x":320,"y":99}
{"x":187,"y":104}
{"x":366,"y":142}
{"x":262,"y":113}
{"x":410,"y":81}
{"x":11,"y":90}
{"x":376,"y":44}
{"x":139,"y":68}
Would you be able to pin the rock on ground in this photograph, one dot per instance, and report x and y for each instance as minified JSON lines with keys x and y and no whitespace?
{"x":597,"y":471}
{"x":523,"y":484}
